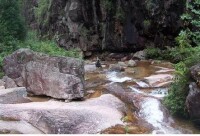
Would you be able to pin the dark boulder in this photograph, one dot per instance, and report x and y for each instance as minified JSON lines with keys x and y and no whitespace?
{"x":193,"y":102}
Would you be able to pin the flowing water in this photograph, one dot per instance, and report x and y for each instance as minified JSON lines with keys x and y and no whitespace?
{"x":150,"y":80}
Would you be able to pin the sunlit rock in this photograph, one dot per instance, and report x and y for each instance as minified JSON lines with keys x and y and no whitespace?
{"x":53,"y":117}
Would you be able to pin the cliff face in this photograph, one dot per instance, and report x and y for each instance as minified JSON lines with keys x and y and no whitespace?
{"x":114,"y":25}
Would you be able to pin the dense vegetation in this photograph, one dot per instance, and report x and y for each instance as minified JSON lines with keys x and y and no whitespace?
{"x":185,"y":54}
{"x":14,"y":34}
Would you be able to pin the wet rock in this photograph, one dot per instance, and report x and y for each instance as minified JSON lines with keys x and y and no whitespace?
{"x":142,"y":84}
{"x":193,"y":102}
{"x":128,"y":97}
{"x":116,"y":67}
{"x":9,"y":83}
{"x":123,"y":64}
{"x":118,"y":129}
{"x":90,"y":68}
{"x":160,"y":80}
{"x":117,"y":78}
{"x":13,"y":95}
{"x":93,"y":83}
{"x":132,"y":63}
{"x":44,"y":80}
{"x":25,"y":66}
{"x":53,"y":117}
{"x":140,"y":55}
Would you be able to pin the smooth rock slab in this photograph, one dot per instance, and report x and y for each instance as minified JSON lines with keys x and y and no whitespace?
{"x":53,"y":117}
{"x":160,"y":80}
{"x":21,"y":127}
{"x":13,"y":95}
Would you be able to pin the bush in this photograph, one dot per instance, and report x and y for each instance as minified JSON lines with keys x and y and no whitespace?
{"x":178,"y":92}
{"x":11,"y":22}
{"x":46,"y":46}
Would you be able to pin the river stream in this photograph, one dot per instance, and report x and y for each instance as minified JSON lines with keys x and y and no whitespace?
{"x":151,"y":81}
{"x":148,"y":81}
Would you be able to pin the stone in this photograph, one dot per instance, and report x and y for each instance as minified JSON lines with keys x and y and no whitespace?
{"x":18,"y":127}
{"x":13,"y":95}
{"x":120,"y":92}
{"x":2,"y":84}
{"x":140,"y":55}
{"x":14,"y":63}
{"x":9,"y":83}
{"x":44,"y":80}
{"x":132,"y":63}
{"x":54,"y":117}
{"x":24,"y":66}
{"x":90,"y":68}
{"x":193,"y":102}
{"x":123,"y":64}
{"x":159,"y":80}
{"x":195,"y":72}
{"x":74,"y":20}
{"x":116,"y":67}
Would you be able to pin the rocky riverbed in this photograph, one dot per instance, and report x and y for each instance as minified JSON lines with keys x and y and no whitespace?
{"x":121,"y":97}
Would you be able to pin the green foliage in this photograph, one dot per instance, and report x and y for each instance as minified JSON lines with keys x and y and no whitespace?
{"x":153,"y":52}
{"x":120,"y":14}
{"x":46,"y":46}
{"x":12,"y":28}
{"x":41,"y":11}
{"x":192,"y":21}
{"x":107,"y":4}
{"x":146,"y":24}
{"x":178,"y":92}
{"x":11,"y":22}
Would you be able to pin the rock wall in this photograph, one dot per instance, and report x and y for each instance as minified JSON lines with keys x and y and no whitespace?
{"x":113,"y":25}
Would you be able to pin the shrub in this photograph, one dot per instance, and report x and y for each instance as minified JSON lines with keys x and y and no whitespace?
{"x":46,"y":46}
{"x":11,"y":22}
{"x":178,"y":92}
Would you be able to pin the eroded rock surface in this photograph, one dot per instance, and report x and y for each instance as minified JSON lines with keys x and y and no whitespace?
{"x":53,"y":117}
{"x":58,"y":77}
{"x":94,"y":25}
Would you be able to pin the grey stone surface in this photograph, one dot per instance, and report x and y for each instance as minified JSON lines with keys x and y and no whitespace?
{"x":53,"y":117}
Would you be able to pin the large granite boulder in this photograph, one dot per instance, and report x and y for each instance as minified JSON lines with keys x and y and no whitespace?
{"x":193,"y":102}
{"x":44,"y":80}
{"x":54,"y":117}
{"x":58,"y":77}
